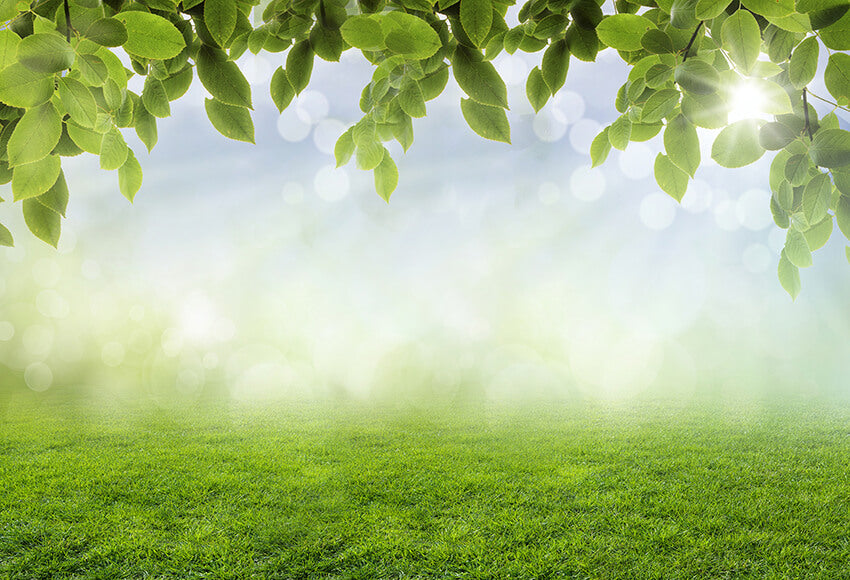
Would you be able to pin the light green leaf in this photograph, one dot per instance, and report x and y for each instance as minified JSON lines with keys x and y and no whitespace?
{"x":433,"y":84}
{"x":818,"y":235}
{"x":370,"y":154}
{"x":45,"y":53}
{"x":220,"y":18}
{"x":804,"y":62}
{"x":231,"y":121}
{"x":344,"y":147}
{"x":43,"y":222}
{"x":6,"y":238}
{"x":682,"y":144}
{"x":657,"y":42}
{"x":78,"y":101}
{"x":831,"y":148}
{"x":620,"y":132}
{"x":742,"y":39}
{"x":775,"y":136}
{"x":86,"y":139}
{"x":222,"y":78}
{"x":107,"y":32}
{"x":22,"y":87}
{"x":660,"y":104}
{"x":816,"y":198}
{"x":145,"y":125}
{"x":555,"y":64}
{"x":672,"y":180}
{"x":92,"y":69}
{"x":56,"y":198}
{"x":363,"y":32}
{"x":797,"y":249}
{"x":155,"y":98}
{"x":386,"y":177}
{"x":476,"y":17}
{"x":9,"y":42}
{"x":789,"y":276}
{"x":600,"y":147}
{"x":409,"y":36}
{"x":771,"y":8}
{"x":738,"y":144}
{"x":837,"y":36}
{"x":113,"y":150}
{"x":489,"y":122}
{"x":299,"y":65}
{"x":151,"y":36}
{"x":697,"y":77}
{"x":130,"y":176}
{"x":623,"y":31}
{"x":33,"y":179}
{"x":837,"y":76}
{"x":478,"y":78}
{"x":708,"y":9}
{"x":842,"y":215}
{"x":281,"y":89}
{"x":536,"y":89}
{"x":797,"y":169}
{"x":35,"y":135}
{"x":411,"y":99}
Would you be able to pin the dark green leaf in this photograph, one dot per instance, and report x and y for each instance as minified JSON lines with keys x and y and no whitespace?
{"x":222,"y":78}
{"x":231,"y":121}
{"x":478,"y":78}
{"x":220,"y":19}
{"x":45,"y":53}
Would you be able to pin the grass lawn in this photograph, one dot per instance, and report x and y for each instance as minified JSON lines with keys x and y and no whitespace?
{"x":637,"y":490}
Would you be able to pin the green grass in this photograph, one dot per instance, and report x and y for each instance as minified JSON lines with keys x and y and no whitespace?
{"x":637,"y":490}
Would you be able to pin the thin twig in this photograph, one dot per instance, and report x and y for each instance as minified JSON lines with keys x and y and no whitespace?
{"x":828,"y":102}
{"x":67,"y":22}
{"x":806,"y":114}
{"x":691,"y":41}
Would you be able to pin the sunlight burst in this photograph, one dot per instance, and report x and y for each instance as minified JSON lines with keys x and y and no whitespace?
{"x":747,"y":102}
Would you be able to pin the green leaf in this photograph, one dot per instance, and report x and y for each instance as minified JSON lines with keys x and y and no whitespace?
{"x":43,"y":222}
{"x":35,"y":135}
{"x":742,"y":39}
{"x":738,"y":145}
{"x":770,"y":8}
{"x":620,"y":132}
{"x":78,"y":101}
{"x":789,"y":276}
{"x":697,"y":77}
{"x":231,"y":121}
{"x":804,"y":62}
{"x":281,"y":89}
{"x":130,"y":177}
{"x":299,"y":65}
{"x":774,"y":99}
{"x":344,"y":147}
{"x":154,"y":97}
{"x":56,"y":198}
{"x":45,"y":53}
{"x":370,"y":154}
{"x":151,"y":36}
{"x":600,"y":147}
{"x":476,"y":17}
{"x":797,"y":169}
{"x":831,"y":148}
{"x":327,"y":43}
{"x":113,"y":150}
{"x":86,"y":139}
{"x":33,"y":179}
{"x":708,"y":9}
{"x":411,"y":99}
{"x":92,"y":69}
{"x":386,"y":177}
{"x":682,"y":144}
{"x":657,"y":42}
{"x":220,"y":19}
{"x":6,"y":238}
{"x":837,"y":77}
{"x":409,"y":36}
{"x":623,"y":31}
{"x":107,"y":32}
{"x":488,"y":121}
{"x":842,"y":215}
{"x":797,"y":249}
{"x":659,"y":105}
{"x":478,"y":78}
{"x":9,"y":42}
{"x":672,"y":180}
{"x":775,"y":136}
{"x":537,"y":90}
{"x":363,"y":32}
{"x":22,"y":87}
{"x":145,"y":125}
{"x":583,"y":43}
{"x":818,"y":235}
{"x":837,"y":36}
{"x":556,"y":63}
{"x":816,"y":198}
{"x":222,"y":78}
{"x":433,"y":84}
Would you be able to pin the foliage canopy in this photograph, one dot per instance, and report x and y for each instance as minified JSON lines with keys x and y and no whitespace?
{"x":63,"y":89}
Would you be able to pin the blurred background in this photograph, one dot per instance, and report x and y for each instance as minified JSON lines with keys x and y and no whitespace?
{"x":258,"y":273}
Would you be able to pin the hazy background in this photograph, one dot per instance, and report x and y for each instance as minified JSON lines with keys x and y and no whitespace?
{"x":496,"y":272}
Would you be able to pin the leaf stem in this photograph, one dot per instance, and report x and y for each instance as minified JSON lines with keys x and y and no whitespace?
{"x":67,"y":22}
{"x":690,"y":42}
{"x":827,"y":101}
{"x":806,"y":114}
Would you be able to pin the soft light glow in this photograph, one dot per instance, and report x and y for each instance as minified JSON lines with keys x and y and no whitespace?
{"x":747,"y":102}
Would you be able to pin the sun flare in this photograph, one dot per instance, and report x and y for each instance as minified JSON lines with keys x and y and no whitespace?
{"x":747,"y":102}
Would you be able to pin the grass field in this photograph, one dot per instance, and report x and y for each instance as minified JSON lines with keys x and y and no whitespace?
{"x":633,"y":490}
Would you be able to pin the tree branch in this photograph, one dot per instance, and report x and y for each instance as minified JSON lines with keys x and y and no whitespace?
{"x":67,"y":22}
{"x":690,"y":42}
{"x":806,"y":114}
